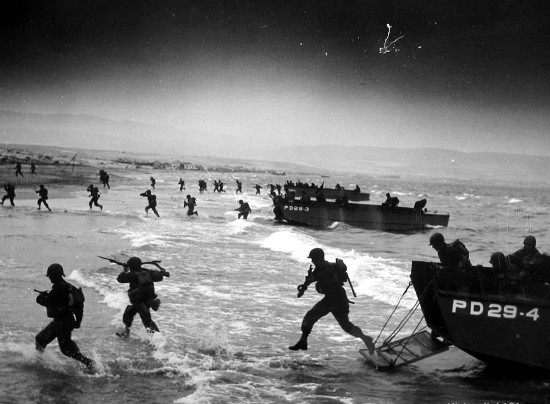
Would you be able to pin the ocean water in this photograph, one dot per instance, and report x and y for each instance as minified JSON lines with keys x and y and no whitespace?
{"x":229,"y":309}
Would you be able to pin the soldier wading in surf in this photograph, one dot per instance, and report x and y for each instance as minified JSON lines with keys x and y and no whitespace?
{"x":330,"y":278}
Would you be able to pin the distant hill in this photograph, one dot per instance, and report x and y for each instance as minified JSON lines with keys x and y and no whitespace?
{"x":91,"y":132}
{"x":483,"y":167}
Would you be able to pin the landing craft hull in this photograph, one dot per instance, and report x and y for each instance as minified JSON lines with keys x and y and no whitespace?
{"x":330,"y":193}
{"x":370,"y":217}
{"x":498,"y":323}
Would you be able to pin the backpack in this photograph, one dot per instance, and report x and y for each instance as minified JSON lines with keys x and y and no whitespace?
{"x":340,"y":271}
{"x":459,"y":245}
{"x":76,"y":303}
{"x":464,"y":253}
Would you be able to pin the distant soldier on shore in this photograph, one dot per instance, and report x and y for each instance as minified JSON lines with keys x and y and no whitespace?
{"x":152,"y":202}
{"x":94,"y":193}
{"x":202,"y":186}
{"x":43,"y":194}
{"x":258,"y":187}
{"x":18,"y":170}
{"x":239,"y":187}
{"x":191,"y":203}
{"x":33,"y":169}
{"x":104,"y":178}
{"x":181,"y":183}
{"x":153,"y":182}
{"x":10,"y":193}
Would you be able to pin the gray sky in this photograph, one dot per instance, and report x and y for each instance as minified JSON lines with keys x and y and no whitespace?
{"x":469,"y":75}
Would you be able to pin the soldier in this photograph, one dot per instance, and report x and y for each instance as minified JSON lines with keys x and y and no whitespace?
{"x":454,"y":255}
{"x":152,"y":202}
{"x":60,"y":305}
{"x":43,"y":193}
{"x":181,"y":183}
{"x":141,"y":293}
{"x":330,"y":282}
{"x":191,"y":203}
{"x":94,"y":193}
{"x":244,"y":210}
{"x":10,"y":193}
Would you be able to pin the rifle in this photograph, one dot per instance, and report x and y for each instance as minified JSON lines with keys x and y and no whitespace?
{"x":351,"y":286}
{"x":302,"y":288}
{"x":155,"y":263}
{"x":40,"y":291}
{"x":112,"y":261}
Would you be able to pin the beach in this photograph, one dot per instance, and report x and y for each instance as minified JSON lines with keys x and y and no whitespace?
{"x":229,"y":309}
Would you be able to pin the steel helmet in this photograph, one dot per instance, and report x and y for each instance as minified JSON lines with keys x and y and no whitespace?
{"x":55,"y":270}
{"x":437,"y":239}
{"x":134,"y":263}
{"x":530,"y":240}
{"x":241,"y":201}
{"x":316,"y":253}
{"x":497,"y":258}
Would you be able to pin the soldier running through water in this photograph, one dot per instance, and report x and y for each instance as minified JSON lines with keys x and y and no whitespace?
{"x":10,"y":193}
{"x":141,"y":293}
{"x":43,"y":193}
{"x":18,"y":170}
{"x":181,"y":183}
{"x":244,"y":210}
{"x":94,"y":193}
{"x":152,"y":202}
{"x":153,"y":182}
{"x":58,"y":305}
{"x":104,"y":178}
{"x":335,"y":301}
{"x":191,"y":203}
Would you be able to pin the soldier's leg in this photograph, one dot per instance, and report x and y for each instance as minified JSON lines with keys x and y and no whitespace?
{"x":342,"y":316}
{"x":318,"y":311}
{"x":146,"y":319}
{"x":44,"y":337}
{"x":68,"y":346}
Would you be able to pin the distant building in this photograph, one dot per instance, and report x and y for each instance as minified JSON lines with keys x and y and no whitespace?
{"x":189,"y":166}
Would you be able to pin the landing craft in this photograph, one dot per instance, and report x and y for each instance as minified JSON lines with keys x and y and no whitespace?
{"x":366,"y":216}
{"x":499,"y":321}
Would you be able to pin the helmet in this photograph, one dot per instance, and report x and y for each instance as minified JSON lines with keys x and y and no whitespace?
{"x":437,"y":239}
{"x":134,"y":263}
{"x":241,"y":201}
{"x":530,"y":240}
{"x":316,"y":253}
{"x":55,"y":270}
{"x":188,"y":196}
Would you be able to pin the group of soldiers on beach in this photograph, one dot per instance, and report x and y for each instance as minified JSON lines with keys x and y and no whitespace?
{"x":190,"y":202}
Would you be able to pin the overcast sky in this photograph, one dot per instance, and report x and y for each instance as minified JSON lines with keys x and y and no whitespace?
{"x":471,"y":75}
